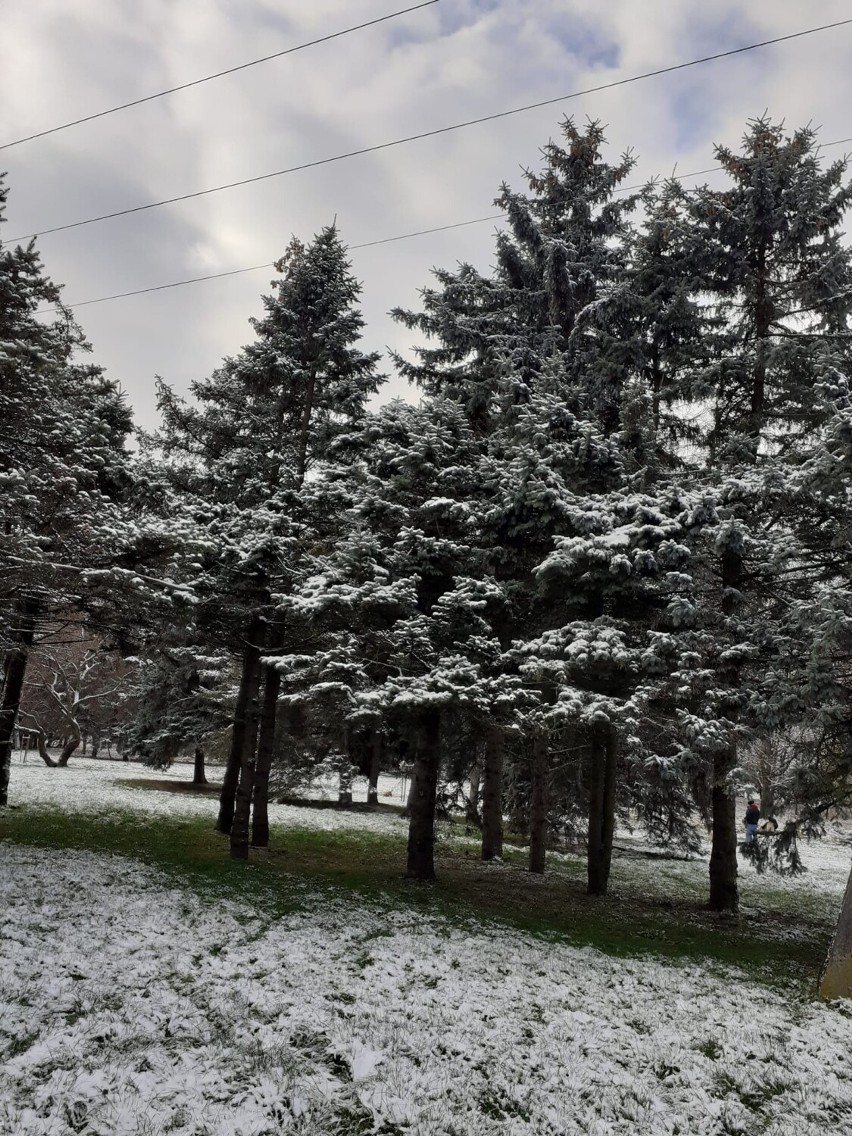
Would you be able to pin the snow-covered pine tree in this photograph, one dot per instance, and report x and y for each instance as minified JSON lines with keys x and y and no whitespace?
{"x":401,"y":612}
{"x":243,"y":450}
{"x":661,"y":327}
{"x":537,"y":348}
{"x":62,"y":467}
{"x":564,"y":246}
{"x":767,"y":260}
{"x":804,"y":696}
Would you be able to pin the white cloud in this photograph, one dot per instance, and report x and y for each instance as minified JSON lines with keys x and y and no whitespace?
{"x":453,"y":61}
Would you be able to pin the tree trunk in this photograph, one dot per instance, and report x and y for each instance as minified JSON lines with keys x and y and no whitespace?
{"x":199,"y":777}
{"x":836,"y":978}
{"x":245,"y":786}
{"x":724,"y":895}
{"x":375,"y":767}
{"x":265,"y":753}
{"x":421,"y":800}
{"x":472,"y":810}
{"x":41,"y":743}
{"x":492,"y":799}
{"x":766,"y":777}
{"x":344,"y":780}
{"x":14,"y":671}
{"x":610,"y":785}
{"x":602,"y":781}
{"x":304,"y":427}
{"x":538,"y":802}
{"x":96,"y":744}
{"x":71,"y":744}
{"x":247,"y":691}
{"x":412,"y":791}
{"x":344,"y":786}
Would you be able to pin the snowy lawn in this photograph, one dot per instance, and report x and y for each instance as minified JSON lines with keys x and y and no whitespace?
{"x":654,"y":904}
{"x":105,"y":787}
{"x":131,"y":1005}
{"x":130,"y":1002}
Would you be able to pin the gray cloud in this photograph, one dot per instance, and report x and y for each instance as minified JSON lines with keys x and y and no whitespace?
{"x":456,"y":60}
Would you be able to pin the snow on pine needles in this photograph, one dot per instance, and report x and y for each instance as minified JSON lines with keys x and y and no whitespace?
{"x":132,"y":1005}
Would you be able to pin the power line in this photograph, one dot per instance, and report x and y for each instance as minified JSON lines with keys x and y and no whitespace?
{"x":271,"y":264}
{"x":362,"y":245}
{"x":218,"y":74}
{"x":433,"y":133}
{"x":719,"y":169}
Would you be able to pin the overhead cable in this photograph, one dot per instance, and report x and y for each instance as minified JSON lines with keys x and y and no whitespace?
{"x":433,"y":133}
{"x":217,"y":75}
{"x":270,"y":264}
{"x":362,"y":245}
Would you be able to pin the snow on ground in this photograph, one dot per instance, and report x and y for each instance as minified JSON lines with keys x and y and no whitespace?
{"x":827,"y":863}
{"x":104,"y":787}
{"x":96,"y":786}
{"x":132,"y":1007}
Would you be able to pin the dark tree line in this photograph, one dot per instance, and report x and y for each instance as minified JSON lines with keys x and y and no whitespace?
{"x":588,"y":575}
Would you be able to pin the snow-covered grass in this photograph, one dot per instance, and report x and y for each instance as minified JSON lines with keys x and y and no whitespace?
{"x":129,"y":1005}
{"x":106,"y":787}
{"x":134,"y":1001}
{"x":654,"y":904}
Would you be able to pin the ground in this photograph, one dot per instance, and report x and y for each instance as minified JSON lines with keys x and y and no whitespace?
{"x":326,"y":996}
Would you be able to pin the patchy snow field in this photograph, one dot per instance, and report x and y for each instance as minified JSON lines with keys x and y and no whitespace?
{"x":105,"y":788}
{"x":101,"y":787}
{"x":132,"y":1007}
{"x":129,"y":1005}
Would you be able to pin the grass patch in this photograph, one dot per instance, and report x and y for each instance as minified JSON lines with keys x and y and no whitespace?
{"x":181,"y":788}
{"x":644,"y":913}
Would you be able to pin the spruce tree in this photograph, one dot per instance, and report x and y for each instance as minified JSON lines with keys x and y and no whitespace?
{"x":62,"y":470}
{"x":557,"y":260}
{"x":767,"y":258}
{"x":259,"y":426}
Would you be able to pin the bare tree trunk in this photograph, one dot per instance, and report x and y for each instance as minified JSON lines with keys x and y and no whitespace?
{"x":538,"y":801}
{"x":602,"y":781}
{"x":199,"y":777}
{"x":265,"y":753}
{"x":71,"y":744}
{"x":421,"y":800}
{"x":724,"y":895}
{"x":14,"y":671}
{"x":766,"y":777}
{"x":41,"y":742}
{"x":472,"y":811}
{"x":344,"y":785}
{"x":344,"y":782}
{"x":376,"y":747}
{"x":245,"y":786}
{"x":836,"y":978}
{"x":610,"y":785}
{"x":492,"y":799}
{"x":248,"y":690}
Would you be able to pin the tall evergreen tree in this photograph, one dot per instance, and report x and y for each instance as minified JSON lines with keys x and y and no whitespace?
{"x":766,"y":257}
{"x":261,"y":424}
{"x":62,"y":468}
{"x":560,"y":255}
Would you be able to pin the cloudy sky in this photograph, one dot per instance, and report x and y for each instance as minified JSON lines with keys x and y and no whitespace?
{"x":451,"y":61}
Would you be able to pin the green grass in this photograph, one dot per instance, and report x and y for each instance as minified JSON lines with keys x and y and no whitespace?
{"x":649,"y":911}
